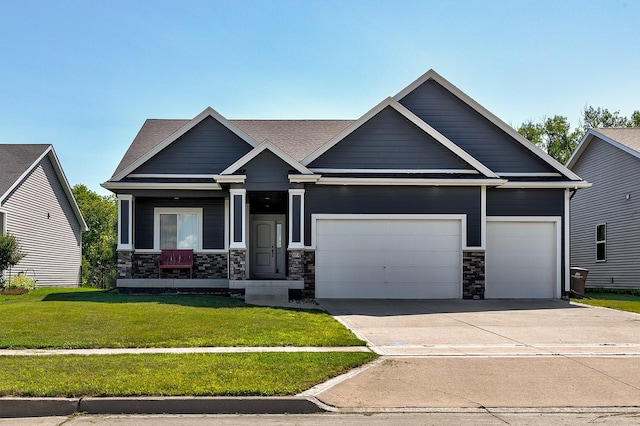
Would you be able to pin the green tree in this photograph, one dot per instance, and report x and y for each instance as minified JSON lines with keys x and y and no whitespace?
{"x":634,"y":121}
{"x":99,"y":255}
{"x":10,"y":253}
{"x":592,"y":118}
{"x":553,"y":134}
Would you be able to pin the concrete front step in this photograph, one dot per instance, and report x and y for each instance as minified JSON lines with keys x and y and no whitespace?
{"x":266,"y":294}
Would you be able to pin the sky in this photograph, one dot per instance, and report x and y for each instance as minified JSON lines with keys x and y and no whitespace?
{"x":83,"y":75}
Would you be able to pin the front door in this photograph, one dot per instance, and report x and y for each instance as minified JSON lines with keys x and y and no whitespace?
{"x":267,"y":247}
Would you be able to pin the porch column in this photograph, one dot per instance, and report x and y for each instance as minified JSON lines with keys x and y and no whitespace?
{"x":125,"y":222}
{"x":237,"y":229}
{"x":296,"y":219}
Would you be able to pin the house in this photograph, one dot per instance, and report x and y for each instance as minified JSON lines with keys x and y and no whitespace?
{"x":38,"y":208}
{"x":427,"y":195}
{"x":605,"y":219}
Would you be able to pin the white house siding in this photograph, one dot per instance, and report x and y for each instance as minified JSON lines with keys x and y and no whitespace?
{"x":40,"y":217}
{"x":614,"y":175}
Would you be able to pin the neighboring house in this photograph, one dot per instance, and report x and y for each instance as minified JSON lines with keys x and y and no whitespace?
{"x":605,"y":219}
{"x":427,"y":195}
{"x":38,"y":208}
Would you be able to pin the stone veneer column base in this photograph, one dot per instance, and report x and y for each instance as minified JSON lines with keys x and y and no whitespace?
{"x":302,"y":266}
{"x":125,"y":264}
{"x":473,"y":270}
{"x":237,"y":264}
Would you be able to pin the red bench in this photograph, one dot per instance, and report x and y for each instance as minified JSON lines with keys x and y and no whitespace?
{"x":176,"y":259}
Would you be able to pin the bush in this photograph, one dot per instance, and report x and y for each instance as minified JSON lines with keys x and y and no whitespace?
{"x":22,"y":281}
{"x":10,"y":253}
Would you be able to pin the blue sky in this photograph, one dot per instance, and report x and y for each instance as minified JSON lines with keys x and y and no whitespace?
{"x":84,"y":75}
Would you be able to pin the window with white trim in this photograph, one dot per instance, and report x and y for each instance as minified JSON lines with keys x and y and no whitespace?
{"x":601,"y":242}
{"x":177,"y":228}
{"x":3,"y":223}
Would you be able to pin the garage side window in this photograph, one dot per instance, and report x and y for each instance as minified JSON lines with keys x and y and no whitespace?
{"x":601,"y":242}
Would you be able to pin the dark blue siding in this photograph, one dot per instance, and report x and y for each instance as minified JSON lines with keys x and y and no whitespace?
{"x":388,"y":140}
{"x":267,"y":172}
{"x":213,"y":220}
{"x":208,"y":148}
{"x":395,"y":200}
{"x":525,"y":202}
{"x":471,"y":131}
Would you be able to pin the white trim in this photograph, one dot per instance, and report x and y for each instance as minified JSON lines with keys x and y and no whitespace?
{"x":557,"y":220}
{"x":300,"y":244}
{"x":304,"y":178}
{"x":157,"y":211}
{"x":432,"y":75}
{"x":533,"y":174}
{"x":168,"y":176}
{"x":266,"y":145}
{"x":567,"y":240}
{"x":129,"y":245}
{"x":483,"y":218}
{"x":414,"y":182}
{"x":208,"y":112}
{"x":397,"y":171}
{"x":230,"y":178}
{"x":586,"y":140}
{"x":596,"y":242}
{"x":390,"y":102}
{"x":565,"y":184}
{"x":333,"y":216}
{"x":3,"y":221}
{"x":199,"y":186}
{"x":238,"y":244}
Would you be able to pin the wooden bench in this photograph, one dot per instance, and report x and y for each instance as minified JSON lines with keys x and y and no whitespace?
{"x":176,"y":259}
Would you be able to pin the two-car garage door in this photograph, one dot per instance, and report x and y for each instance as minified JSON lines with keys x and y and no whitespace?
{"x":388,"y":258}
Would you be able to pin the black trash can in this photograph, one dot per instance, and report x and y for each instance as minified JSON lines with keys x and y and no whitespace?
{"x":578,"y":281}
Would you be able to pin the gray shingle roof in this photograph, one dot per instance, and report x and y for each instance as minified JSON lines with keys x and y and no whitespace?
{"x":15,"y":159}
{"x":297,"y":138}
{"x":630,"y":137}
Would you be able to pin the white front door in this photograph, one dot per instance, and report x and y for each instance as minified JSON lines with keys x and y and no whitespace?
{"x":267,"y":249}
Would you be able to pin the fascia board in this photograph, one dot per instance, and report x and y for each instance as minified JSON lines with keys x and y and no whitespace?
{"x":266,"y":145}
{"x":432,"y":75}
{"x":550,"y":185}
{"x":410,"y":182}
{"x":208,"y":112}
{"x":159,"y":185}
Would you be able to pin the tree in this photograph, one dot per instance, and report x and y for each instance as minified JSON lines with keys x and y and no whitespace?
{"x":10,"y":252}
{"x":99,"y":255}
{"x":593,"y":118}
{"x":553,"y":134}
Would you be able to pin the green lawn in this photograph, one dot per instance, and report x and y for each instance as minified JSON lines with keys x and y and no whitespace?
{"x":621,"y":302}
{"x":87,"y":318}
{"x":264,"y":374}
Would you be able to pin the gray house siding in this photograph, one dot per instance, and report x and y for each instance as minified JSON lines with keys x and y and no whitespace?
{"x":208,"y":148}
{"x":471,"y":131}
{"x":267,"y":172}
{"x":389,"y":140}
{"x":212,"y":226}
{"x":614,"y":174}
{"x":40,"y":217}
{"x":395,"y":200}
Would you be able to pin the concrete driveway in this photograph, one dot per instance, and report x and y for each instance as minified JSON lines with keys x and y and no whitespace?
{"x":488,"y":355}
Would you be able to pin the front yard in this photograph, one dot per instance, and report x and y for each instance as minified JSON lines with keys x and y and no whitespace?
{"x":86,"y":318}
{"x":621,"y":302}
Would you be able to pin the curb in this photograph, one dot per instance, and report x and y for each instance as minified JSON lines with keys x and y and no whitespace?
{"x":41,"y":407}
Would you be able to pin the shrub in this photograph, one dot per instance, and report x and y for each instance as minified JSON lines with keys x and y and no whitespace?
{"x":22,"y":281}
{"x":10,"y":253}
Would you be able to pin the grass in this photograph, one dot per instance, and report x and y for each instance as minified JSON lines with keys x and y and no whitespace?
{"x":263,"y":374}
{"x":621,"y":302}
{"x":88,"y":318}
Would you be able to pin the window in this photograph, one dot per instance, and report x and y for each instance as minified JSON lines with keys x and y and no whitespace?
{"x":601,"y":242}
{"x":178,"y":229}
{"x":3,"y":223}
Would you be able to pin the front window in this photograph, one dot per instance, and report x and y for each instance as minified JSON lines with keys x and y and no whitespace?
{"x":601,"y":242}
{"x":178,"y":228}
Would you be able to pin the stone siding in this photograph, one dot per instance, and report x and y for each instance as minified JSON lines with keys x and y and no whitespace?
{"x":145,"y":265}
{"x":473,"y":275}
{"x":302,"y":266}
{"x":237,"y":264}
{"x":125,"y":264}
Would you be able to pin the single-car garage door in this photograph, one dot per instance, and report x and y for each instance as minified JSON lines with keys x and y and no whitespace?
{"x":521,"y":259}
{"x":388,"y":258}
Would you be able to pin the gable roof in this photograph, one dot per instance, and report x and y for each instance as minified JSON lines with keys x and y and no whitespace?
{"x":390,"y":102}
{"x":626,"y":139}
{"x":18,"y":160}
{"x":510,"y":131}
{"x":266,"y":146}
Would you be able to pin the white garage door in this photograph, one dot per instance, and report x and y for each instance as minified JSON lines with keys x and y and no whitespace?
{"x":388,"y":258}
{"x":521,"y":260}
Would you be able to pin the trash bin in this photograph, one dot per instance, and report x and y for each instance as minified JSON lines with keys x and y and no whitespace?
{"x":578,"y":280}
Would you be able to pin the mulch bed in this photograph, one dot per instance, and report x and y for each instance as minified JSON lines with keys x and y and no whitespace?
{"x":13,"y":291}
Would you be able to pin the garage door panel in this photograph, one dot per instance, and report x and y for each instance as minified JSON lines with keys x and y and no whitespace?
{"x":388,"y":258}
{"x":521,"y":259}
